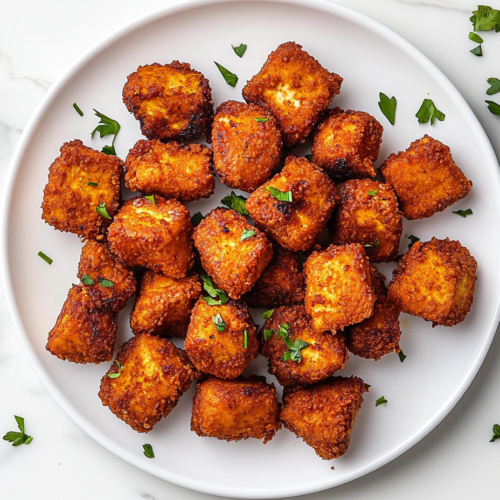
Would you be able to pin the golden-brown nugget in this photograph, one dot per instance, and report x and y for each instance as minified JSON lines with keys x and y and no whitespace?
{"x":153,"y":235}
{"x":369,"y":214}
{"x":171,"y":101}
{"x":425,"y":178}
{"x":216,"y":341}
{"x":339,"y":288}
{"x":236,"y":409}
{"x":232,"y":251}
{"x":246,"y":143}
{"x":295,"y":225}
{"x":80,"y":180}
{"x":83,"y":332}
{"x":346,"y":143}
{"x":152,"y":376}
{"x":380,"y":333}
{"x":173,"y":170}
{"x":109,"y":283}
{"x":325,"y":354}
{"x":323,"y":414}
{"x":435,"y":281}
{"x":280,"y":284}
{"x":295,"y":88}
{"x":163,"y":305}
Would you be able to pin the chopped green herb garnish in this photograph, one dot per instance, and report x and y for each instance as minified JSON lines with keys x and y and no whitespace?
{"x":18,"y":438}
{"x":496,"y":433}
{"x":376,"y":243}
{"x":268,"y":334}
{"x":367,"y":245}
{"x":92,"y":184}
{"x":428,"y":111}
{"x":267,"y":314}
{"x":495,"y":86}
{"x":118,"y":373}
{"x":77,"y":109}
{"x":240,"y":50}
{"x":309,"y":157}
{"x":402,"y":356}
{"x":413,"y":240}
{"x":294,"y":348}
{"x":485,"y":19}
{"x":109,"y":150}
{"x":475,"y":38}
{"x":105,"y":283}
{"x":45,"y":258}
{"x":493,"y":107}
{"x":107,"y":126}
{"x":245,"y":339}
{"x":388,"y":107}
{"x":236,"y":202}
{"x":247,"y":233}
{"x":148,"y":450}
{"x":215,"y":293}
{"x":219,"y":322}
{"x":197,"y":218}
{"x":230,"y":78}
{"x":279,"y":195}
{"x":102,"y":210}
{"x":463,"y":213}
{"x":261,"y":120}
{"x":478,"y":51}
{"x":373,"y":192}
{"x":87,"y":280}
{"x":151,"y":198}
{"x":380,"y":401}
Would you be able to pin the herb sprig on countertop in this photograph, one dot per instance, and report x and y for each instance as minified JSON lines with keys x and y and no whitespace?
{"x":18,"y":438}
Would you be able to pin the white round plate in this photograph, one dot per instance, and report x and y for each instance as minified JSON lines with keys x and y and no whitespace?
{"x":441,"y":362}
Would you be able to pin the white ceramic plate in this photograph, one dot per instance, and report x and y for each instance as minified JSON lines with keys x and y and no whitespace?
{"x":441,"y":362}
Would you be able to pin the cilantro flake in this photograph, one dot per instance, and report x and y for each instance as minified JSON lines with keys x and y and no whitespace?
{"x":268,"y":334}
{"x":107,"y":126}
{"x":109,"y":150}
{"x":402,"y":356}
{"x":118,"y":373}
{"x":148,"y":450}
{"x":261,"y":120}
{"x":428,"y":111}
{"x":463,"y":213}
{"x":496,"y":433}
{"x":478,"y":51}
{"x":18,"y":438}
{"x":280,"y":195}
{"x":475,"y":37}
{"x":493,"y":107}
{"x":388,"y":107}
{"x":215,"y":293}
{"x":87,"y":280}
{"x":197,"y":218}
{"x":102,"y":210}
{"x":240,"y":50}
{"x":495,"y":86}
{"x":236,"y":202}
{"x":151,"y":198}
{"x":381,"y":401}
{"x":413,"y":240}
{"x":372,"y":192}
{"x":267,"y":314}
{"x":219,"y":322}
{"x":247,"y":233}
{"x":105,"y":283}
{"x":485,"y":19}
{"x":230,"y":78}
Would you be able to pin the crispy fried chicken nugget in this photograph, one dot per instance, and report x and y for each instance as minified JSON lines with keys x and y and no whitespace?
{"x":323,"y":414}
{"x":325,"y":354}
{"x":232,"y":251}
{"x":236,"y":409}
{"x":113,"y":284}
{"x":246,"y":143}
{"x":295,"y":88}
{"x":171,"y":102}
{"x":281,"y":283}
{"x":83,"y":332}
{"x":435,"y":281}
{"x":297,"y":224}
{"x":215,"y":341}
{"x":369,"y":214}
{"x":339,"y":288}
{"x":425,"y":178}
{"x":380,"y":333}
{"x":153,"y":377}
{"x":153,"y":235}
{"x":164,"y":304}
{"x":346,"y":143}
{"x":80,"y":180}
{"x":173,"y":170}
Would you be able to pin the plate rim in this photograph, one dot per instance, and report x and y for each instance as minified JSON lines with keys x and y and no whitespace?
{"x":42,"y":107}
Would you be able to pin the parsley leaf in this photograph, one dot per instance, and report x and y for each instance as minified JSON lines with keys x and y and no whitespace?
{"x":372,"y":192}
{"x":240,"y":50}
{"x":267,"y":314}
{"x":118,"y":373}
{"x":77,"y":109}
{"x":219,"y":322}
{"x":236,"y":202}
{"x":261,"y":120}
{"x":428,"y":111}
{"x":105,"y":283}
{"x":151,"y":198}
{"x":280,"y":195}
{"x":380,"y":401}
{"x":247,"y":233}
{"x":294,"y":348}
{"x":413,"y":240}
{"x":18,"y":438}
{"x":87,"y":280}
{"x":102,"y":210}
{"x":215,"y":293}
{"x":388,"y":107}
{"x":148,"y":450}
{"x":268,"y":334}
{"x":45,"y":258}
{"x":245,"y":340}
{"x":197,"y":218}
{"x":463,"y":213}
{"x":485,"y":19}
{"x":402,"y":356}
{"x":495,"y":86}
{"x":230,"y":78}
{"x":109,"y":150}
{"x":493,"y":107}
{"x":475,"y":38}
{"x":496,"y":433}
{"x":107,"y":126}
{"x":478,"y":51}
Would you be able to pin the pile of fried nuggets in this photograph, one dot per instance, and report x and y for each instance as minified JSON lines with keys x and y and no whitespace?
{"x":337,"y":303}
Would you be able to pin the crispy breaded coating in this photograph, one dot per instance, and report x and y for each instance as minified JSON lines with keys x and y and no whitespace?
{"x":280,"y":284}
{"x":425,"y":178}
{"x":246,"y":143}
{"x":346,"y":143}
{"x":70,"y":201}
{"x":171,"y":101}
{"x":233,"y":256}
{"x":153,"y":235}
{"x":83,"y":332}
{"x":380,"y":333}
{"x":221,"y":353}
{"x":325,"y":354}
{"x":294,"y":225}
{"x":323,"y":414}
{"x":339,"y":288}
{"x":236,"y":409}
{"x":369,"y":214}
{"x":295,"y":88}
{"x":98,"y":264}
{"x":163,"y":306}
{"x":435,"y":281}
{"x":173,"y":170}
{"x":154,"y":376}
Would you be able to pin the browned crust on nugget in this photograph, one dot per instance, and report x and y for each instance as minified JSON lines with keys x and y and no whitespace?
{"x":325,"y":354}
{"x":171,"y":101}
{"x":153,"y":235}
{"x":374,"y":221}
{"x":83,"y":332}
{"x":296,"y":225}
{"x":323,"y":414}
{"x":245,"y":150}
{"x":295,"y":88}
{"x":163,"y":306}
{"x":234,"y":265}
{"x":435,"y":281}
{"x":232,"y":410}
{"x":69,"y":203}
{"x":425,"y":178}
{"x":222,"y":354}
{"x":155,"y":375}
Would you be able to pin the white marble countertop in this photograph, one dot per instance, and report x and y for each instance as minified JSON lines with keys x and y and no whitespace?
{"x":39,"y":39}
